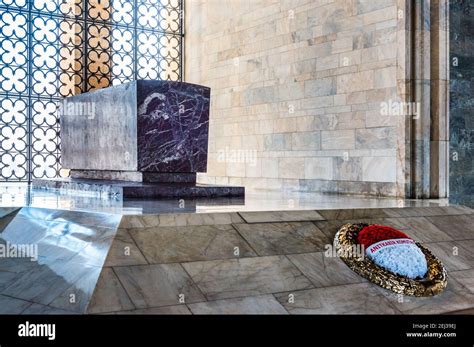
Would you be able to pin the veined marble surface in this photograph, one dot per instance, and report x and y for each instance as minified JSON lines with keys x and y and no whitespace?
{"x":153,"y":126}
{"x":173,"y":126}
{"x":208,"y":263}
{"x":21,"y":195}
{"x":58,"y":257}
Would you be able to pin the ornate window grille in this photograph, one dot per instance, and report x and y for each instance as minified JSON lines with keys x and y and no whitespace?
{"x":50,"y":49}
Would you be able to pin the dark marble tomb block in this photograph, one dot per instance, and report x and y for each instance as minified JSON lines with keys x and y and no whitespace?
{"x":144,"y":126}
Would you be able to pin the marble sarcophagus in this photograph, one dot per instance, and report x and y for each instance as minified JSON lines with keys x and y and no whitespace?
{"x":138,"y":139}
{"x":144,"y":126}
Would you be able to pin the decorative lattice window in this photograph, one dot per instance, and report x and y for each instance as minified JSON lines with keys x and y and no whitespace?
{"x":50,"y":49}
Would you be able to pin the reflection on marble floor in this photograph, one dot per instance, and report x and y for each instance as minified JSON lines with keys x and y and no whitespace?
{"x":188,"y":264}
{"x":59,"y":257}
{"x":182,"y":264}
{"x":226,"y":262}
{"x":21,"y":195}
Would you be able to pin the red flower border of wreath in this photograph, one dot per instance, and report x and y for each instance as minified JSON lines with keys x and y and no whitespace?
{"x":374,"y":233}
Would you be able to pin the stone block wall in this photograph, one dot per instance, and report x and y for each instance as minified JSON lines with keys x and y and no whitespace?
{"x":296,"y":92}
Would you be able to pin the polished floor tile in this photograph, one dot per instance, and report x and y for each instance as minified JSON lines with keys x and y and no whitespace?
{"x":254,"y":201}
{"x":281,"y":254}
{"x":6,"y":278}
{"x":406,"y":212}
{"x":469,"y":311}
{"x":189,"y":219}
{"x":165,"y":310}
{"x":59,"y":240}
{"x":222,"y":279}
{"x":465,"y":278}
{"x":457,"y":209}
{"x":124,"y":251}
{"x":190,"y":243}
{"x":263,"y":304}
{"x":139,"y":221}
{"x":6,"y":216}
{"x":359,"y":298}
{"x":353,"y":213}
{"x":4,"y":222}
{"x":9,"y":305}
{"x":324,"y":271}
{"x":179,"y":219}
{"x":467,"y":245}
{"x":88,"y":219}
{"x":421,"y":230}
{"x":22,"y":230}
{"x":45,"y":283}
{"x":453,"y":255}
{"x":283,"y":238}
{"x":331,"y":227}
{"x":68,"y":253}
{"x":158,"y":285}
{"x":37,"y":309}
{"x":95,"y":253}
{"x":281,"y":216}
{"x":17,"y":266}
{"x":455,"y":297}
{"x":109,"y":295}
{"x":427,"y":211}
{"x":5,"y":211}
{"x":77,"y":297}
{"x":457,"y":227}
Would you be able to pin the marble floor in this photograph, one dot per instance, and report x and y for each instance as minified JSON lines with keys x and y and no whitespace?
{"x":20,"y":195}
{"x":188,"y":264}
{"x":54,"y":258}
{"x":249,"y":262}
